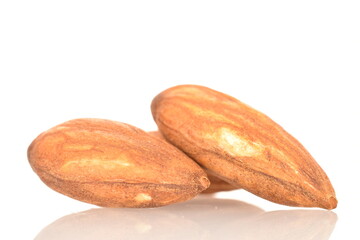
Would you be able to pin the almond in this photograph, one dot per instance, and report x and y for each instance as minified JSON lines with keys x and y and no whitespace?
{"x":242,"y":146}
{"x":216,"y":184}
{"x":113,"y":164}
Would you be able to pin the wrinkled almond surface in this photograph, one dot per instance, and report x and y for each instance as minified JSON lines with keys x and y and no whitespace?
{"x":216,"y":184}
{"x":242,"y":146}
{"x":113,"y":164}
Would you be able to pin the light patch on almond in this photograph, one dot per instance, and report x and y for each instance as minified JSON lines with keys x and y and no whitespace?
{"x":59,"y":128}
{"x":201,"y":112}
{"x":143,"y":197}
{"x":310,"y":185}
{"x":236,"y":145}
{"x":73,"y":147}
{"x":88,"y":163}
{"x":281,"y":155}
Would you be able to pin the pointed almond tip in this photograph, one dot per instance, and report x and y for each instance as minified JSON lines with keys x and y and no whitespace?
{"x":332,"y":203}
{"x":205,"y":182}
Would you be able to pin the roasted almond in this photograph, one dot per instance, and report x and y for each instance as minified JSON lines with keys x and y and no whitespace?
{"x":216,"y":184}
{"x":242,"y":146}
{"x":113,"y":164}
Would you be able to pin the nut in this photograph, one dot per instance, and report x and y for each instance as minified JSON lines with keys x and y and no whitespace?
{"x":242,"y":146}
{"x":216,"y":184}
{"x":113,"y":164}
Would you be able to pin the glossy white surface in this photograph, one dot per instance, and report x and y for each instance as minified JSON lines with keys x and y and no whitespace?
{"x":202,"y":218}
{"x":296,"y":61}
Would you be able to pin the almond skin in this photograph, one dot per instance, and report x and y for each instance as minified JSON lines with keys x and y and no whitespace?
{"x":242,"y":146}
{"x":113,"y":164}
{"x":216,"y":184}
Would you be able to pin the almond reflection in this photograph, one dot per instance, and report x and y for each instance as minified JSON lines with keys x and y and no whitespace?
{"x":203,"y":218}
{"x":124,"y":224}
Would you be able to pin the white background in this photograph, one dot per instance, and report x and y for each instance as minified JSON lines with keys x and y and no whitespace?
{"x":296,"y":61}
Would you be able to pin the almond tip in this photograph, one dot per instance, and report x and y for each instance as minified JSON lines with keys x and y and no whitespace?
{"x":205,"y":182}
{"x":332,"y":203}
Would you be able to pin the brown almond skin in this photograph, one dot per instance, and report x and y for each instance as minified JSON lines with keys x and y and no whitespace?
{"x":112,"y":164}
{"x":242,"y":146}
{"x":216,"y":184}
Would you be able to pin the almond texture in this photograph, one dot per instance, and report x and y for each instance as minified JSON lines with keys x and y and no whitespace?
{"x":216,"y":184}
{"x":242,"y":146}
{"x":113,"y":164}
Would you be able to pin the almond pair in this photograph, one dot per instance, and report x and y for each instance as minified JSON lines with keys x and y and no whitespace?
{"x":117,"y":165}
{"x":216,"y":184}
